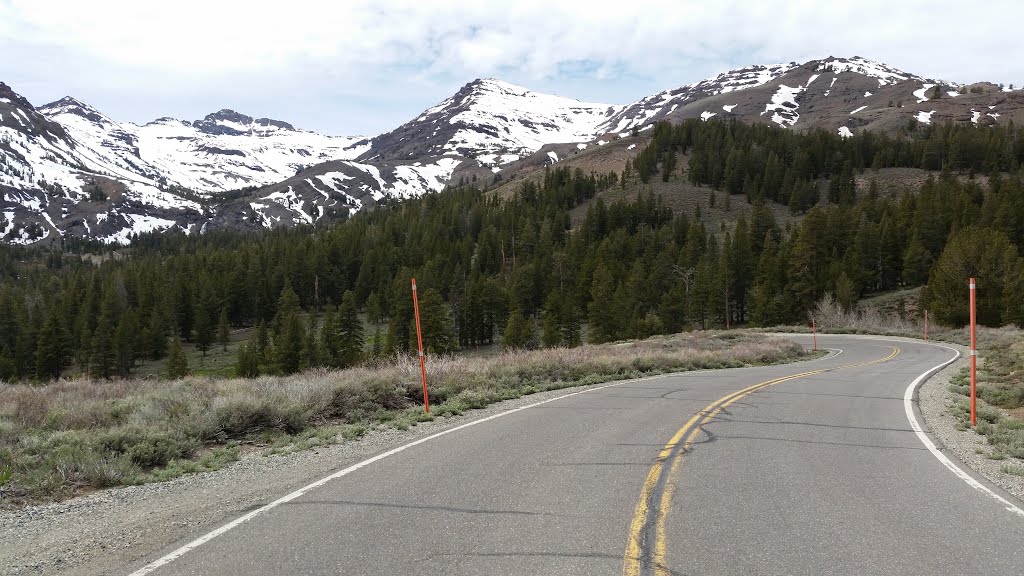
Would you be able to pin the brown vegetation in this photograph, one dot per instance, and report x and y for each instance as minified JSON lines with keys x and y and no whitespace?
{"x":75,"y":435}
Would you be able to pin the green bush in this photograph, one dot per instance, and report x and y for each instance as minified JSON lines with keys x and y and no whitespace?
{"x":237,"y":417}
{"x":145,"y":447}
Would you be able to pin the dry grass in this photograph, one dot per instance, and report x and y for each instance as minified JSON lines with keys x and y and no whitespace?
{"x":72,"y":436}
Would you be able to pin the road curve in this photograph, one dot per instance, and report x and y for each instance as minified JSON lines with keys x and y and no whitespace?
{"x":810,"y":468}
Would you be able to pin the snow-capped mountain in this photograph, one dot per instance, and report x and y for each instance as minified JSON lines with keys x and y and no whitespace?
{"x":68,"y":170}
{"x":223,"y":151}
{"x":486,"y":124}
{"x":494,"y":123}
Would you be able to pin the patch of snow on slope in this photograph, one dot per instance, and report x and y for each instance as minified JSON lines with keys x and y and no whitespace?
{"x":729,"y":107}
{"x":834,"y":78}
{"x":153,"y":196}
{"x":553,"y":157}
{"x":329,"y":178}
{"x":845,"y":132}
{"x":292,"y":202}
{"x":9,"y":216}
{"x":264,"y":219}
{"x":501,"y":118}
{"x":213,"y":163}
{"x":867,"y":94}
{"x":953,"y":94}
{"x":919,"y":94}
{"x":646,"y":109}
{"x":705,"y":115}
{"x":137,"y":224}
{"x":784,"y":106}
{"x":881,"y":72}
{"x":975,"y":115}
{"x":925,"y":117}
{"x":747,"y":78}
{"x":859,"y":109}
{"x":412,"y":181}
{"x":631,"y":146}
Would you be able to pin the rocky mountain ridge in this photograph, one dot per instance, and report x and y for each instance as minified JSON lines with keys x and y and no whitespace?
{"x":68,"y":170}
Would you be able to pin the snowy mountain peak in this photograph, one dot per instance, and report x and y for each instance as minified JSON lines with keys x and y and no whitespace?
{"x":884,"y":73}
{"x":9,"y":96}
{"x":71,"y":105}
{"x":231,"y":123}
{"x":743,"y":78}
{"x":494,"y":122}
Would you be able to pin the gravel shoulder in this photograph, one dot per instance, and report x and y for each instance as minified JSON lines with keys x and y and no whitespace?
{"x":109,"y":530}
{"x":936,"y":402}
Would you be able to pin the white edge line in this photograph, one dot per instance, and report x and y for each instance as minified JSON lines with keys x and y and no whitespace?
{"x":908,"y":405}
{"x":288,"y":498}
{"x":171,"y":557}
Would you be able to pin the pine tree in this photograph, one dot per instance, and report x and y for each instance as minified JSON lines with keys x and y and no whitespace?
{"x":260,"y":344}
{"x":289,"y":332}
{"x":438,"y":327}
{"x":570,"y":320}
{"x":203,"y":329}
{"x":124,"y":342}
{"x":846,"y":292}
{"x":156,"y":344}
{"x":989,"y":257}
{"x":50,"y":354}
{"x":247,"y":365}
{"x":223,"y":332}
{"x":288,"y":342}
{"x":377,"y":349}
{"x":551,"y":325}
{"x":177,"y":362}
{"x":350,"y":333}
{"x":311,"y":354}
{"x":103,"y":358}
{"x":606,"y":324}
{"x":518,"y":331}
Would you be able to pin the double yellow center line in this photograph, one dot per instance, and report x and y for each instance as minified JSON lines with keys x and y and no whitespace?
{"x":645,"y":548}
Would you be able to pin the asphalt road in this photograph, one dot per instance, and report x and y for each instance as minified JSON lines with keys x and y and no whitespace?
{"x":819,"y":474}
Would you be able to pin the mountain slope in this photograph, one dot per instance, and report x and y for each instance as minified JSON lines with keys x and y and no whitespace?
{"x":67,"y":169}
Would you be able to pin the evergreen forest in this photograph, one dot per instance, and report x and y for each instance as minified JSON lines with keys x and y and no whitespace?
{"x":521,"y":271}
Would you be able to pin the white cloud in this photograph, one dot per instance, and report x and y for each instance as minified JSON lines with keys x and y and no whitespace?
{"x":359,"y":48}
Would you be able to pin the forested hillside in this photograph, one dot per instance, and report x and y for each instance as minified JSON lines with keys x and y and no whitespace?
{"x":514,"y":271}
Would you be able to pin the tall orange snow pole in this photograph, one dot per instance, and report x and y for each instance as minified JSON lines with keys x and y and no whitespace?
{"x":974,"y":361}
{"x":419,"y":340}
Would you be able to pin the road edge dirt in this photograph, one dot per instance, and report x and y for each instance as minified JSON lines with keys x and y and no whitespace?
{"x":935,"y":402}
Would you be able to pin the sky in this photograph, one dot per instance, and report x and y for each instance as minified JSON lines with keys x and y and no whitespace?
{"x":355,"y":67}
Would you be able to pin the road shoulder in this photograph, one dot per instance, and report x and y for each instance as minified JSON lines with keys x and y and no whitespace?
{"x":935,"y":401}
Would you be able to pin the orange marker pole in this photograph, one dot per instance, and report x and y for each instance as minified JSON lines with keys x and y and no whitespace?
{"x":419,"y":340}
{"x":814,"y":333}
{"x":926,"y":325}
{"x":974,"y":361}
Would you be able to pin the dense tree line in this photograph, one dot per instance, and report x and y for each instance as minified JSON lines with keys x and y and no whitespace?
{"x":783,"y":166}
{"x":514,"y":271}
